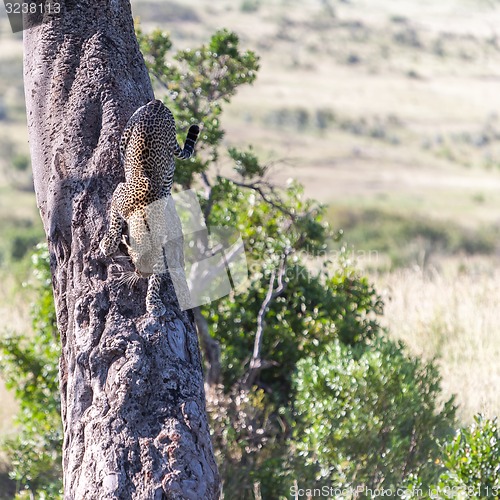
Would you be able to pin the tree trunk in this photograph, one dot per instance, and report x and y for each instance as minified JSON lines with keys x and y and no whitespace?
{"x":133,"y":405}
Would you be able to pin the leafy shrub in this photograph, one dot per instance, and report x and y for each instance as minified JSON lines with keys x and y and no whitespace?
{"x":368,"y":416}
{"x":470,"y":465}
{"x":29,"y":365}
{"x":297,"y":118}
{"x":199,"y":82}
{"x":376,"y":127}
{"x":472,"y":460}
{"x":324,"y":117}
{"x":23,"y":242}
{"x":408,"y":36}
{"x":314,"y":308}
{"x":16,"y":164}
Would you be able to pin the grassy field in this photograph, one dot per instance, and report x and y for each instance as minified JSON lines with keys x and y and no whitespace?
{"x":451,"y":315}
{"x":389,"y":113}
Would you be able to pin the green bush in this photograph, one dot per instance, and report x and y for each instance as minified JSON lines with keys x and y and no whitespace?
{"x":20,"y":162}
{"x":29,"y":365}
{"x":313,"y":309}
{"x":368,"y":417}
{"x":472,"y":463}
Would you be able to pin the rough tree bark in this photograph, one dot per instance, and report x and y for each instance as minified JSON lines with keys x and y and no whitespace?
{"x":133,"y":404}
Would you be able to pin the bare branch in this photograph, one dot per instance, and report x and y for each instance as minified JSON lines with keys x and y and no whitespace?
{"x":259,"y":186}
{"x":256,"y":362}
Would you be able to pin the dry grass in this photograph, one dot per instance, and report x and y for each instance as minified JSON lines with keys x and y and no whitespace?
{"x":451,"y":315}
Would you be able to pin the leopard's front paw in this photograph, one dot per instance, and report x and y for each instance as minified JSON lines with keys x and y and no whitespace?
{"x":156,"y":308}
{"x":107,"y":247}
{"x":154,"y":304}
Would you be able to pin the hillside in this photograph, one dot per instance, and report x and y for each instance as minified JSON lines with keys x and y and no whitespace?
{"x":367,"y":104}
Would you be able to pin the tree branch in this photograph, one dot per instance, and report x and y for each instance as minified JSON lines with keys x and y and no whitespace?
{"x":258,"y":186}
{"x":256,"y":362}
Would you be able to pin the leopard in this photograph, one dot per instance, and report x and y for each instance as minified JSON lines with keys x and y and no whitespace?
{"x":148,"y":150}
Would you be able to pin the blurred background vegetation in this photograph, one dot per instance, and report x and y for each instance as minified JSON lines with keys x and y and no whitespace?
{"x":387,"y":113}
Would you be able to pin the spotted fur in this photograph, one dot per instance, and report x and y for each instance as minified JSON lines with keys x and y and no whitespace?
{"x":148,"y":148}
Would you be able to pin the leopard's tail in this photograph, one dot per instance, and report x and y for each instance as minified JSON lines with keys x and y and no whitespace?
{"x":192,"y":136}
